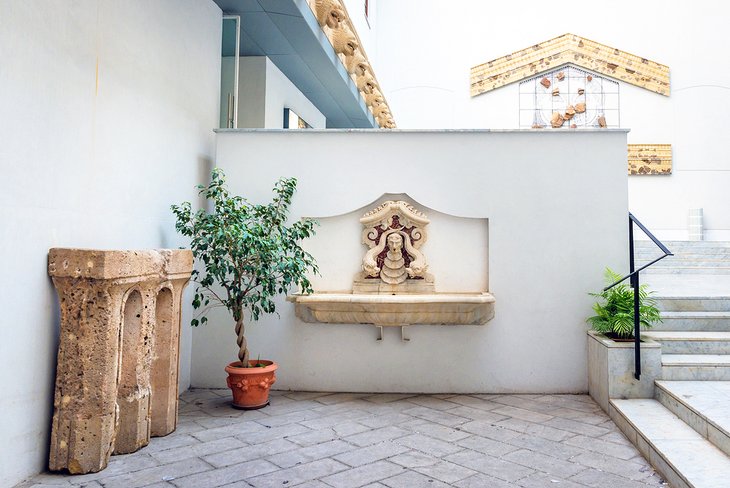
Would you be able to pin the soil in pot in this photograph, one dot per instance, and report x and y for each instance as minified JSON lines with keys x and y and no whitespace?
{"x":250,"y":386}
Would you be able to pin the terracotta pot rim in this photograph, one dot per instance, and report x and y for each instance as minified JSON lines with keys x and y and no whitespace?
{"x":235,"y":368}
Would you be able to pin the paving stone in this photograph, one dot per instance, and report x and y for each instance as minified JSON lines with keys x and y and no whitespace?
{"x":334,"y":419}
{"x":489,"y":465}
{"x":347,"y":428}
{"x":197,"y":450}
{"x":411,"y":479}
{"x":545,"y":446}
{"x":432,"y":402}
{"x":376,"y":435}
{"x":238,"y":428}
{"x":230,"y":474}
{"x":168,"y":442}
{"x":308,"y":454}
{"x":158,"y":473}
{"x":184,"y":428}
{"x":525,"y":402}
{"x":473,"y":413}
{"x":407,"y":438}
{"x":314,"y":484}
{"x":437,"y":431}
{"x":237,"y":456}
{"x":445,"y":471}
{"x":481,"y":480}
{"x":363,"y":475}
{"x":616,"y":438}
{"x":585,"y":417}
{"x":576,"y":402}
{"x":474,"y":402}
{"x":48,"y":483}
{"x":387,"y":397}
{"x":542,"y":480}
{"x":437,"y":416}
{"x":540,"y":430}
{"x":577,"y":427}
{"x":285,"y":405}
{"x":486,"y":445}
{"x":370,"y":454}
{"x":490,"y":430}
{"x":392,"y":418}
{"x":334,"y":398}
{"x":596,"y":478}
{"x":288,"y":418}
{"x":610,"y":464}
{"x":521,"y":413}
{"x":304,"y":395}
{"x":265,"y":435}
{"x":413,"y":459}
{"x":235,"y":484}
{"x":298,"y":474}
{"x":118,"y":465}
{"x":314,"y":437}
{"x":544,"y":463}
{"x":429,"y":445}
{"x":621,"y":451}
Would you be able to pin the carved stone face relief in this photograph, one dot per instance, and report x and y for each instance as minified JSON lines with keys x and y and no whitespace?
{"x":394,"y":232}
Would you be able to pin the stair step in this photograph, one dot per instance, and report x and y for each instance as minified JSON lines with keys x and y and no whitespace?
{"x":686,"y":270}
{"x":693,"y":303}
{"x":703,"y":405}
{"x":695,"y":320}
{"x":691,"y":342}
{"x":672,"y":245}
{"x":690,"y":367}
{"x":681,"y":455}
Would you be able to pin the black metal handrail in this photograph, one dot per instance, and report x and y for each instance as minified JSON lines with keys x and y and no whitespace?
{"x":634,"y":281}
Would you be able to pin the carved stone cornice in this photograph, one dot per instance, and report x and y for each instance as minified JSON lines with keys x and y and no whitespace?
{"x":570,"y":49}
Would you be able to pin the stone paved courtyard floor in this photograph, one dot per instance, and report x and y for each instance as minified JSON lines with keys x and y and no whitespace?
{"x":342,"y":440}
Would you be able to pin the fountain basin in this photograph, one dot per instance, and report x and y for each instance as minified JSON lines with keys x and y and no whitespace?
{"x":395,"y":310}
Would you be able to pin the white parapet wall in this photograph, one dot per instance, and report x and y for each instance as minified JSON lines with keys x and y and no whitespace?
{"x":555,"y":205}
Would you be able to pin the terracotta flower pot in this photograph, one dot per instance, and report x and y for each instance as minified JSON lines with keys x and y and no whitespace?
{"x":250,"y":386}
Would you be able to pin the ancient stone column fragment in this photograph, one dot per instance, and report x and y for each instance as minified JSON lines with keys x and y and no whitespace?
{"x":108,"y":399}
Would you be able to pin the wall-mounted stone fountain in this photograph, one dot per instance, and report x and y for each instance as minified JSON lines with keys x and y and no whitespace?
{"x":117,"y":372}
{"x":395,"y":286}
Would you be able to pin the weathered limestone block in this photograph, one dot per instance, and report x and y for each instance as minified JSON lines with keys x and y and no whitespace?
{"x":120,"y":320}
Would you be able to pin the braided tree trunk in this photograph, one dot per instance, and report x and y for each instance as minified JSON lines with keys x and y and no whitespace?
{"x":242,"y":343}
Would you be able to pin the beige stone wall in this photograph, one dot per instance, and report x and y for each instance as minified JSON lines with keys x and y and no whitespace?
{"x":116,"y":377}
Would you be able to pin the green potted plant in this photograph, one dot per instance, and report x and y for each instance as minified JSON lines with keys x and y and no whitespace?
{"x":614,"y":314}
{"x":248,"y":256}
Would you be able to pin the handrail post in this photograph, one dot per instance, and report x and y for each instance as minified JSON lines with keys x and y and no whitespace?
{"x":635,"y":286}
{"x":631,"y":245}
{"x":637,"y":326}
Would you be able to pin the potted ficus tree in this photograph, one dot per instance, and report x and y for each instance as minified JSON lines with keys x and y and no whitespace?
{"x":614,"y":314}
{"x":246,"y":255}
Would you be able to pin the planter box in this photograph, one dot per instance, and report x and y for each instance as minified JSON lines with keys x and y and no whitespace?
{"x":611,"y":369}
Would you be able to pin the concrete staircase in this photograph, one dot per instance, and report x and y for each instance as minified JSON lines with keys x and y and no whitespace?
{"x":695,"y":257}
{"x":685,"y":430}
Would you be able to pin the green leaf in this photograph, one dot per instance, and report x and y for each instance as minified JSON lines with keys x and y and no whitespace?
{"x":246,"y":253}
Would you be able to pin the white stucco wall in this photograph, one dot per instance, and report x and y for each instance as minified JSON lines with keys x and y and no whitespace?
{"x":107,"y":117}
{"x":264,"y":92}
{"x":425,"y":51}
{"x":366,"y":27}
{"x":550,"y":235}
